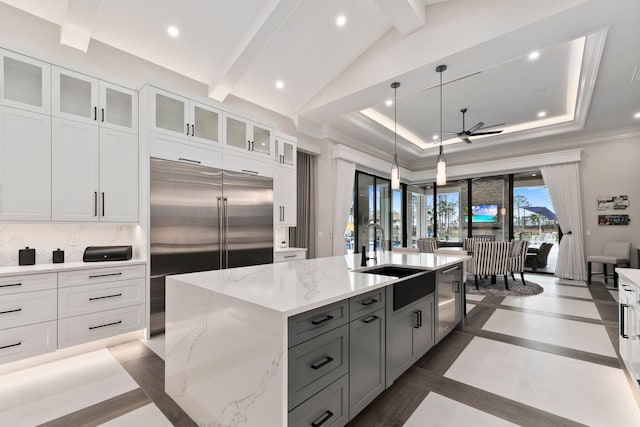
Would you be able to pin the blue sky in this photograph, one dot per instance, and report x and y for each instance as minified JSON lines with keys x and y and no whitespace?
{"x":537,"y":196}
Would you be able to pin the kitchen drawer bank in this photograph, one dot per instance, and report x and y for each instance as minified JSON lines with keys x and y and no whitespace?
{"x":46,"y":307}
{"x":235,"y":337}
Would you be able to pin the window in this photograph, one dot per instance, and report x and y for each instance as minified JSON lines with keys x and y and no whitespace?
{"x":533,"y":215}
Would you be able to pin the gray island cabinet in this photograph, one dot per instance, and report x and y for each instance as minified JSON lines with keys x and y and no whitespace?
{"x":302,"y":343}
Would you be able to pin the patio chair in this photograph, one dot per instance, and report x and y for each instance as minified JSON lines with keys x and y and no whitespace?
{"x":517,"y":258}
{"x":615,"y":253}
{"x":538,"y":259}
{"x":490,"y":259}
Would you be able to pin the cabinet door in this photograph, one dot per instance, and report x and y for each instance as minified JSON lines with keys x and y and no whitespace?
{"x":424,"y":337}
{"x":25,"y":83}
{"x":236,"y":131}
{"x":262,"y":140}
{"x":118,"y":107}
{"x":75,"y":96}
{"x":400,"y":340}
{"x":285,"y":196}
{"x":74,"y":178}
{"x":169,"y":113}
{"x":366,"y":360}
{"x":205,"y":124}
{"x":25,"y":165}
{"x":118,"y":176}
{"x":285,"y":152}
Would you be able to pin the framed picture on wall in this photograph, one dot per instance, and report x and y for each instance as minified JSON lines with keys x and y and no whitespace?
{"x":613,"y":220}
{"x":605,"y":203}
{"x":621,"y":202}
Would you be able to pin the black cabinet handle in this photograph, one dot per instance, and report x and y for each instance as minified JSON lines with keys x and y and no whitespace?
{"x":95,"y":203}
{"x":182,"y":159}
{"x":416,"y":318}
{"x":320,"y":363}
{"x":419,"y":318}
{"x":11,"y":345}
{"x":102,"y":109}
{"x":622,"y":332}
{"x":369,"y":319}
{"x":106,"y":296}
{"x":11,"y":311}
{"x":193,"y":130}
{"x":456,"y":286}
{"x":11,"y":285}
{"x":250,"y":171}
{"x":93,"y":276}
{"x":187,"y":129}
{"x":248,"y":145}
{"x":103,"y":203}
{"x":325,"y":319}
{"x":105,"y":325}
{"x":95,"y":113}
{"x":369,"y":301}
{"x":323,"y":419}
{"x":290,"y":256}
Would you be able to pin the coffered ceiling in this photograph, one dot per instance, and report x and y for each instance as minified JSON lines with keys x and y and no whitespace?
{"x":335,"y":79}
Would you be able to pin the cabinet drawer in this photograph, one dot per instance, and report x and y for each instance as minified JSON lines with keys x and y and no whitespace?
{"x":366,"y":303}
{"x":329,"y":408}
{"x":185,"y":151}
{"x":26,"y":341}
{"x":307,"y":325}
{"x":27,"y":283}
{"x":95,"y":326}
{"x":289,"y":256}
{"x":315,"y":364}
{"x":77,"y":300}
{"x":28,"y":308}
{"x":100,"y":275}
{"x":247,"y":163}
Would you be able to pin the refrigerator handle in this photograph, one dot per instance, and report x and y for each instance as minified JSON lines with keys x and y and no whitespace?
{"x":220,"y":219}
{"x":226,"y":232}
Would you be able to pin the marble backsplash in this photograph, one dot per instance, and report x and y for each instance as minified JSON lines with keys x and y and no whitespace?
{"x":71,"y":238}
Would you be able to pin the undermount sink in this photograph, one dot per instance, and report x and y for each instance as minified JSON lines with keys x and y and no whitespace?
{"x":391,"y":270}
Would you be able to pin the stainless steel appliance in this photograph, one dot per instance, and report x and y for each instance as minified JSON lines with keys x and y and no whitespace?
{"x":449,"y":287}
{"x":205,"y":219}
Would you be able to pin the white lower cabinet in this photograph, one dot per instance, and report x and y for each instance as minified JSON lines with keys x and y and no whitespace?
{"x":79,"y":300}
{"x":27,"y":308}
{"x":290,"y":255}
{"x":26,"y":341}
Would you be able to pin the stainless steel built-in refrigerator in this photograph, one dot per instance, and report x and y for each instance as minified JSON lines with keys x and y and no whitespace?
{"x":202,"y":219}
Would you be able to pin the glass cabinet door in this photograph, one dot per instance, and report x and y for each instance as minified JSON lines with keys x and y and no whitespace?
{"x":288,"y":153}
{"x":170,"y":113}
{"x":236,"y":131}
{"x":206,"y":123}
{"x":261,"y":140}
{"x":75,"y":95}
{"x":118,"y":107}
{"x":24,"y":82}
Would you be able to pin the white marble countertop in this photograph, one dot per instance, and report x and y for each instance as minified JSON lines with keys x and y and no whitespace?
{"x":285,"y":250}
{"x":632,"y":274}
{"x":298,"y":286}
{"x":14,"y":270}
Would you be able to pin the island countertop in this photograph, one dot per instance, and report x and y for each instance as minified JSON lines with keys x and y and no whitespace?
{"x":298,"y":286}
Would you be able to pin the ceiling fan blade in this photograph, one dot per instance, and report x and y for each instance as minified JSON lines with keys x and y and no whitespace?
{"x":476,"y":127}
{"x":465,"y":139}
{"x":493,"y":126}
{"x":491,"y":132}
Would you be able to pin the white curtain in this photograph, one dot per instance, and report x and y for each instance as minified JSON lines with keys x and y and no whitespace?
{"x":344,"y":177}
{"x":563,"y":186}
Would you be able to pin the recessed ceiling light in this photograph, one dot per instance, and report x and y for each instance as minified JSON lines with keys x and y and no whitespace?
{"x":435,"y":137}
{"x":341,"y":20}
{"x":173,"y":31}
{"x":542,"y":114}
{"x":279,"y":84}
{"x":388,"y":102}
{"x":534,"y":55}
{"x":637,"y":115}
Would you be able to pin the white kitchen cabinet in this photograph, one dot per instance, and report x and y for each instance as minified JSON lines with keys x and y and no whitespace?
{"x":285,"y":148}
{"x":241,"y":134}
{"x":25,"y":82}
{"x":180,"y":116}
{"x":167,"y":147}
{"x":245,"y":162}
{"x":284,"y":196}
{"x":86,"y":99}
{"x":25,"y":165}
{"x":94,"y":173}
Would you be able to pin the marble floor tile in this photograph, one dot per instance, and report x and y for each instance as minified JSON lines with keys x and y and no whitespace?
{"x":614,"y":294}
{"x":573,"y":334}
{"x":148,"y":415}
{"x":566,"y":291}
{"x":553,"y":304}
{"x":156,"y":344}
{"x":439,"y":411}
{"x":585,"y":392}
{"x":35,"y":395}
{"x":472,"y":297}
{"x":470,"y":307}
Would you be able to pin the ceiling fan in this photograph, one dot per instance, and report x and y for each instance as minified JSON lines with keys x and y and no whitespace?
{"x":472,"y":131}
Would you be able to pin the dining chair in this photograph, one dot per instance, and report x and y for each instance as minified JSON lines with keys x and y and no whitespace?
{"x":490,"y":259}
{"x":427,"y":245}
{"x":517,"y":257}
{"x":615,"y":253}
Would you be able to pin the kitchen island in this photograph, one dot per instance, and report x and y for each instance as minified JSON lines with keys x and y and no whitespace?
{"x":230,"y":334}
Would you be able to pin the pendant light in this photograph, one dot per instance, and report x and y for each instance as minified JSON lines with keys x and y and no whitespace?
{"x":395,"y":169}
{"x":441,"y":164}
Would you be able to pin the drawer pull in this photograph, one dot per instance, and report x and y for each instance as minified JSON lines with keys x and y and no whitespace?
{"x":323,"y":419}
{"x":13,"y":284}
{"x":11,"y":311}
{"x":325,"y":319}
{"x":182,"y":159}
{"x":290,"y":256}
{"x":449,"y":270}
{"x":250,"y":171}
{"x":369,"y":301}
{"x":11,"y":345}
{"x":319,"y":364}
{"x":105,"y":325}
{"x":93,"y":276}
{"x":106,"y":296}
{"x":369,"y":319}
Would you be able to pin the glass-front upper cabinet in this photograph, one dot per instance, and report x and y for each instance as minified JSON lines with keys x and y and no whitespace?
{"x":25,"y":83}
{"x":285,"y":151}
{"x":244,"y":135}
{"x":84,"y":98}
{"x":205,"y":123}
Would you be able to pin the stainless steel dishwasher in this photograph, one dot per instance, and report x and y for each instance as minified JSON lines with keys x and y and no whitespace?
{"x":449,"y":299}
